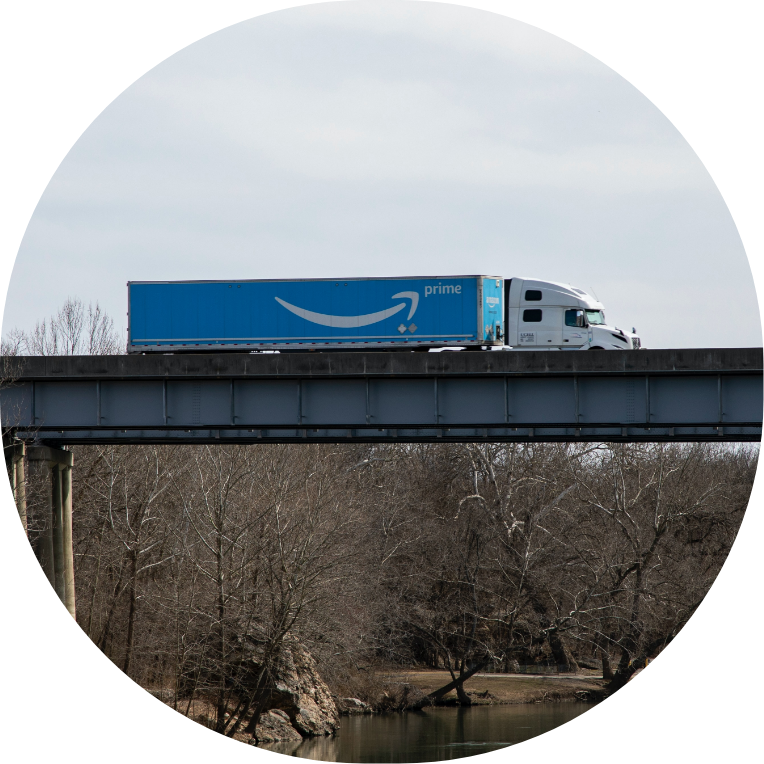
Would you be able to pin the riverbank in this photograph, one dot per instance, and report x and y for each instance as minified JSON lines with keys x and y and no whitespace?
{"x":406,"y":691}
{"x":489,"y":689}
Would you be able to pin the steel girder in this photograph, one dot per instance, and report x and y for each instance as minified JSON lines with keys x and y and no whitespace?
{"x":412,"y":397}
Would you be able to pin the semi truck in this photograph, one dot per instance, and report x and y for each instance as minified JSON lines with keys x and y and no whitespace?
{"x":422,"y":313}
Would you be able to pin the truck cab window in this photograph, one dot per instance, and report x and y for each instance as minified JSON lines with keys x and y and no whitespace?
{"x":595,"y":316}
{"x":575,"y":317}
{"x":532,"y":295}
{"x":532,"y":316}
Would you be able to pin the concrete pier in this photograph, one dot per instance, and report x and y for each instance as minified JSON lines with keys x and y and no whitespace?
{"x":51,"y":470}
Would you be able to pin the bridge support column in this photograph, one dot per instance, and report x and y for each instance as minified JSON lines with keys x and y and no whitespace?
{"x":15,"y":454}
{"x":66,"y":504}
{"x":50,"y":469}
{"x":40,"y":496}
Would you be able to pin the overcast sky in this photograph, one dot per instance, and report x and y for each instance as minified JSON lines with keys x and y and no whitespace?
{"x":375,"y":139}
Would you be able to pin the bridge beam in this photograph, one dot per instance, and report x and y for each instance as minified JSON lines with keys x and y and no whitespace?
{"x":539,"y":434}
{"x":713,"y":395}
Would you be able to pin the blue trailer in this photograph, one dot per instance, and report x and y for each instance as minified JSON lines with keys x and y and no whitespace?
{"x":315,"y":314}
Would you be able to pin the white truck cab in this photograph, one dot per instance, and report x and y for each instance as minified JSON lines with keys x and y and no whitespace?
{"x":545,"y":315}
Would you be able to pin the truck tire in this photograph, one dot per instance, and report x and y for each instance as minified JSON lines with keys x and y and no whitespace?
{"x":596,"y":347}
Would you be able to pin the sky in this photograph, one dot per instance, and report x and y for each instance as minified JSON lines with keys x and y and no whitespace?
{"x":395,"y":139}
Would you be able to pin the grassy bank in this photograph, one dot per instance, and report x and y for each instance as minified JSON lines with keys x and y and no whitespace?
{"x":508,"y":688}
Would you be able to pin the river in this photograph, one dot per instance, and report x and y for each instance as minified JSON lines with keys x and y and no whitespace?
{"x":434,"y":734}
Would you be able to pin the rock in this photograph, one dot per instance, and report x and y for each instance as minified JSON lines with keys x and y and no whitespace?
{"x":351,"y":706}
{"x":275,"y":725}
{"x":298,"y":689}
{"x":302,"y":694}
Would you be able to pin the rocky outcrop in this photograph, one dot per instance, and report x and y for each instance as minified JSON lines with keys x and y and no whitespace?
{"x":300,"y":692}
{"x":296,"y":690}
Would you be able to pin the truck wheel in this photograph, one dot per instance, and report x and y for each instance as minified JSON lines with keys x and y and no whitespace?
{"x":596,"y":348}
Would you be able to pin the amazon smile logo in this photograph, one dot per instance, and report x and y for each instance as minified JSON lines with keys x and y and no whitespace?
{"x":352,"y":322}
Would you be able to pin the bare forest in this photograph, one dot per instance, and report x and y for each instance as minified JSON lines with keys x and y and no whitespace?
{"x":198,"y":567}
{"x":464,"y":557}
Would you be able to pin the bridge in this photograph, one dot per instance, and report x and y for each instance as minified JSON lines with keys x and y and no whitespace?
{"x":651,"y":395}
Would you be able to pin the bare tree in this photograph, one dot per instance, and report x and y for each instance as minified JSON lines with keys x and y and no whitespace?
{"x":12,"y":344}
{"x":657,"y":525}
{"x":121,"y":501}
{"x":303,"y":542}
{"x":73,"y":330}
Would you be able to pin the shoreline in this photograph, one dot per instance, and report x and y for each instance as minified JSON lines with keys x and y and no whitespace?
{"x":406,"y":691}
{"x":507,"y":689}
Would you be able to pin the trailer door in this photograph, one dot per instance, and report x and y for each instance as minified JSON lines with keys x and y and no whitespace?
{"x":493,"y":310}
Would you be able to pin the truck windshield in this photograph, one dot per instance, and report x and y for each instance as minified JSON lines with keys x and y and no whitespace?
{"x":595,"y":316}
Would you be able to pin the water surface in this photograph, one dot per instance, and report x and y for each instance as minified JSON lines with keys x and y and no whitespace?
{"x":434,"y":734}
